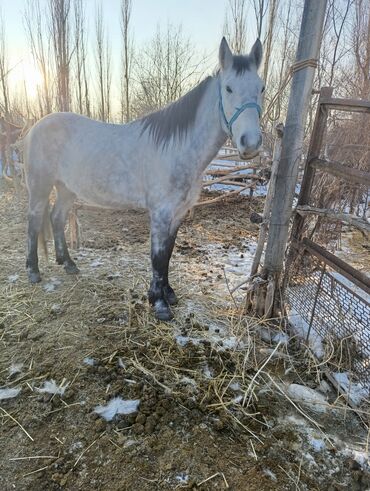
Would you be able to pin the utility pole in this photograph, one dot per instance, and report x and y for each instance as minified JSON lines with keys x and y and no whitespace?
{"x":302,"y":81}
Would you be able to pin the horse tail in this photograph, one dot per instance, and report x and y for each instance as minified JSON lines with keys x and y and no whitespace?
{"x":45,"y":232}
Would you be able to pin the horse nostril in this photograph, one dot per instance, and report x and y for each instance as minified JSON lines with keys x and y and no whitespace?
{"x":259,"y":142}
{"x":243,"y":140}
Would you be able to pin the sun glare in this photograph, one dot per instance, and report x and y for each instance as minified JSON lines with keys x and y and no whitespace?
{"x":25,"y":74}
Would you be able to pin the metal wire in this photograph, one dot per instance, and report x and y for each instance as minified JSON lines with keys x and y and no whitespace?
{"x":336,"y":310}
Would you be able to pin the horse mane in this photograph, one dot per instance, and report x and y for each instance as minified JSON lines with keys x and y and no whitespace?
{"x":242,"y":63}
{"x":174,"y":120}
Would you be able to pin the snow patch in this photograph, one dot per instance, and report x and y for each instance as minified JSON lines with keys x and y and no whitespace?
{"x":13,"y":278}
{"x":235,"y":386}
{"x":52,"y":285}
{"x":182,"y":478}
{"x":188,"y":381}
{"x":301,"y":328}
{"x":184,"y":340}
{"x":270,"y":474}
{"x":280,"y":337}
{"x":75,"y":446}
{"x":117,"y":406}
{"x":232,"y":342}
{"x":15,"y":368}
{"x":207,"y":372}
{"x":8,"y":393}
{"x":89,"y":361}
{"x":51,"y":387}
{"x":356,"y":392}
{"x":309,"y":397}
{"x":362,"y":458}
{"x":96,"y":263}
{"x":238,"y":399}
{"x":317,"y":444}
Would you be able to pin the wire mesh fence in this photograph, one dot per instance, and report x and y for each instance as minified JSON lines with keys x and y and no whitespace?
{"x":337,"y":311}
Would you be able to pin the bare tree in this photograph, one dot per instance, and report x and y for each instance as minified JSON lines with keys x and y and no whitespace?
{"x":166,"y":68}
{"x":36,"y":33}
{"x":260,"y":8}
{"x":284,"y":54}
{"x":127,"y":55}
{"x":4,"y":70}
{"x":273,"y":7}
{"x":361,"y":41}
{"x":335,"y":45}
{"x":108,"y":77}
{"x":103,"y":66}
{"x":82,"y":86}
{"x":59,"y":25}
{"x":234,"y":27}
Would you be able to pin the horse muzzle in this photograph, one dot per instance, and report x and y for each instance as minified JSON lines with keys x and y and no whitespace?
{"x":248,"y":147}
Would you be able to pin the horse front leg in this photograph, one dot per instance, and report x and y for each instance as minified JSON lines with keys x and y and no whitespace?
{"x":161,"y":295}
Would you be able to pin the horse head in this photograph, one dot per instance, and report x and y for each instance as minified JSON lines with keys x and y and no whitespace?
{"x":240,"y":92}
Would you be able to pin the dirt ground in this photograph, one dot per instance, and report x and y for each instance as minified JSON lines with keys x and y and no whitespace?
{"x":214,"y":410}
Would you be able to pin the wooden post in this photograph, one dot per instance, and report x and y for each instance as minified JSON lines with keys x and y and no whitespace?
{"x":302,"y":81}
{"x":269,"y":197}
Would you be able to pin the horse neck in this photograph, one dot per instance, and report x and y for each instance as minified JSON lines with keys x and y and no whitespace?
{"x":207,"y":135}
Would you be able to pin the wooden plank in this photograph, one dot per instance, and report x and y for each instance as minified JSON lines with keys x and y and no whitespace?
{"x":357,"y":277}
{"x":223,"y":179}
{"x":222,"y":197}
{"x":227,"y":183}
{"x":268,"y":201}
{"x":316,"y":142}
{"x":351,"y":174}
{"x":233,"y":168}
{"x":351,"y":105}
{"x":352,"y":220}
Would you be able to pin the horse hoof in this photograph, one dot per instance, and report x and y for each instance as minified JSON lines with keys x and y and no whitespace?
{"x":71,"y":268}
{"x":34,"y":277}
{"x":171,"y":296}
{"x":162,"y":311}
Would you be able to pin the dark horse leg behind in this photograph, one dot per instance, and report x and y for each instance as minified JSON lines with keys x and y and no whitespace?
{"x":38,"y":215}
{"x":163,"y":236}
{"x":59,"y":215}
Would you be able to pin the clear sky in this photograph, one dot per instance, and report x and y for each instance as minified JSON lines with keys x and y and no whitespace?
{"x":202,"y":21}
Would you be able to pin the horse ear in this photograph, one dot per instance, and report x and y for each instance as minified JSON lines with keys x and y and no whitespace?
{"x":225,"y":55}
{"x":256,"y":53}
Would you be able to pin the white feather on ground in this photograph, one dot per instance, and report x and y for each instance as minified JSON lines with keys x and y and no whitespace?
{"x":8,"y":393}
{"x":117,"y":406}
{"x":51,"y":387}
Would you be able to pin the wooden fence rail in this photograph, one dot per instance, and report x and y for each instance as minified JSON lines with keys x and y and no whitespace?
{"x":337,"y":169}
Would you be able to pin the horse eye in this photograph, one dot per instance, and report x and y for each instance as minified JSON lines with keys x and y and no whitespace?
{"x":228,"y":89}
{"x":263,"y":90}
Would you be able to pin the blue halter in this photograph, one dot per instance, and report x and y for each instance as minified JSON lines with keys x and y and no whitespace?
{"x":239,"y":110}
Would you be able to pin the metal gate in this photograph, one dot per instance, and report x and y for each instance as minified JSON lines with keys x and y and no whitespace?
{"x":331,"y":296}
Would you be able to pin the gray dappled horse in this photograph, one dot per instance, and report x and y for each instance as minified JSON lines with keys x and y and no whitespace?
{"x":155,"y":162}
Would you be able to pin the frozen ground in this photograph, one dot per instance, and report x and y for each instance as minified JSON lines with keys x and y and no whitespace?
{"x":212,"y":390}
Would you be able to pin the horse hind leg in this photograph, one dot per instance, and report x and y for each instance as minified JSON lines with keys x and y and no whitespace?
{"x":59,"y":214}
{"x":37,"y":214}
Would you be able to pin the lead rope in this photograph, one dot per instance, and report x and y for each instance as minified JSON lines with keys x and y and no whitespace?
{"x":296,"y":67}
